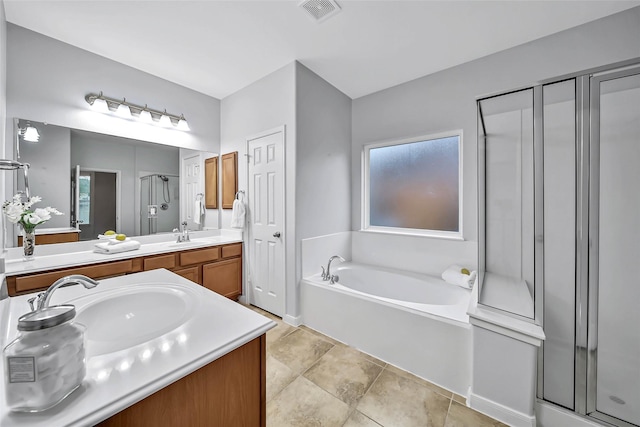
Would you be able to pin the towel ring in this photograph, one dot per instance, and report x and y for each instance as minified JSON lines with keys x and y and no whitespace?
{"x":199,"y":196}
{"x":238,"y":194}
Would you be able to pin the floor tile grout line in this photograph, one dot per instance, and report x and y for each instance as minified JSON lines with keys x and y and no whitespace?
{"x":355,"y":407}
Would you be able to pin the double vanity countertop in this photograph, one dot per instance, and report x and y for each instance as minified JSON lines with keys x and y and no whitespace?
{"x":49,"y":257}
{"x":128,"y":362}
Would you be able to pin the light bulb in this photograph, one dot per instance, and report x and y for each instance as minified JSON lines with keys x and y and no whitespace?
{"x":165,"y":121}
{"x":123,"y":111}
{"x":100,"y":105}
{"x":145,"y":116}
{"x":31,"y":134}
{"x":183,"y":125}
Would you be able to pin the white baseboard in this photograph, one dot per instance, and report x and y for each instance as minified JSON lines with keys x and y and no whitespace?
{"x":292,"y":320}
{"x":500,"y":412}
{"x":551,"y":416}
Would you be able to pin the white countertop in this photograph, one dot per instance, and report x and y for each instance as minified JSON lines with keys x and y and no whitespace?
{"x":119,"y":379}
{"x":63,"y":255}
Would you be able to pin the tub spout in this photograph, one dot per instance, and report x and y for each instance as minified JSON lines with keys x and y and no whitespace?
{"x":327,"y":273}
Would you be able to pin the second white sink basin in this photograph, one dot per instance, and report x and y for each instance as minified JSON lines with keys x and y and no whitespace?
{"x":134,"y":315}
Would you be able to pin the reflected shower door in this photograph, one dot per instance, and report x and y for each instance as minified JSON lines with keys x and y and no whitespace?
{"x":614,"y":317}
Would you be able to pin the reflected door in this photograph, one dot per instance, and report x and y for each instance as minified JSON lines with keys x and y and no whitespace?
{"x":614,"y":341}
{"x":266,"y":217}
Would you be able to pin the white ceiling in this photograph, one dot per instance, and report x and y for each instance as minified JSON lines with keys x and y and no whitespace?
{"x":219,"y":47}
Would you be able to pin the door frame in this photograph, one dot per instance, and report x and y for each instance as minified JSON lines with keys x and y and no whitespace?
{"x":118,"y":174}
{"x":246,"y":279}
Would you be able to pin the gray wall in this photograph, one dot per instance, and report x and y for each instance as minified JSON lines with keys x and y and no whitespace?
{"x":96,"y":151}
{"x":48,"y":80}
{"x":50,"y":172}
{"x":446,"y":101}
{"x":262,"y":106}
{"x":323,"y":159}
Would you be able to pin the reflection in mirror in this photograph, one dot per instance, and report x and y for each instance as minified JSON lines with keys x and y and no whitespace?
{"x":125,"y":185}
{"x":507,"y":177}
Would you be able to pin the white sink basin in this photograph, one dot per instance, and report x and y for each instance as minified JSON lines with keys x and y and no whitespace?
{"x":123,"y":318}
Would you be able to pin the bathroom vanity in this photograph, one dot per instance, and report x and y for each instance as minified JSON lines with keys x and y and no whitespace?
{"x":214,"y":262}
{"x":161,"y":350}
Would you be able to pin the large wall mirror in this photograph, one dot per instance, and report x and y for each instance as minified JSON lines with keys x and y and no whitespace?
{"x":103,"y":182}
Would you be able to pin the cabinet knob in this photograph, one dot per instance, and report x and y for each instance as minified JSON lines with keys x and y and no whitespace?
{"x":276,"y":234}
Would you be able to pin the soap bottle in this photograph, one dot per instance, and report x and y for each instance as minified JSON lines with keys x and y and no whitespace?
{"x":46,"y":362}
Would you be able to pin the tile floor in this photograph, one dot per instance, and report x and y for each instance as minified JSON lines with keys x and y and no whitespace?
{"x":313,"y":380}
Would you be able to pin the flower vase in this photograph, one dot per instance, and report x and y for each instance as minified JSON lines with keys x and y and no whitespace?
{"x":28,"y":244}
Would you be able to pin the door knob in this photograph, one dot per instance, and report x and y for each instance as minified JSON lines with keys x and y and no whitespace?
{"x":276,"y":234}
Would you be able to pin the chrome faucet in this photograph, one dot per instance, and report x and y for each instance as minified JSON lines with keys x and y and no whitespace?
{"x":184,"y":233}
{"x":41,"y":301}
{"x":326,"y":274}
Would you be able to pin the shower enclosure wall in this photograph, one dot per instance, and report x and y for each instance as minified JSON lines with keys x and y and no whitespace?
{"x":159,"y":203}
{"x":561,"y":211}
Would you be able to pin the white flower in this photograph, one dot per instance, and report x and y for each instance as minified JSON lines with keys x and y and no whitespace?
{"x":42,"y":215}
{"x":19,"y":212}
{"x":13,"y":212}
{"x":53,"y":211}
{"x":31,"y":218}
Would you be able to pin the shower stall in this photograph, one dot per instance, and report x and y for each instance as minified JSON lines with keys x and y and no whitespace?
{"x":159,"y":203}
{"x":559,"y":175}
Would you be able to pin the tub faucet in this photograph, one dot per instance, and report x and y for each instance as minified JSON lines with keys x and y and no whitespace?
{"x":41,"y":301}
{"x":326,"y":274}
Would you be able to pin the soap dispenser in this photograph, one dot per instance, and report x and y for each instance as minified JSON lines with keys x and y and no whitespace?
{"x":46,"y":362}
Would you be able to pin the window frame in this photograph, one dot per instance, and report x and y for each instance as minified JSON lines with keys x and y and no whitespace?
{"x":365,"y":188}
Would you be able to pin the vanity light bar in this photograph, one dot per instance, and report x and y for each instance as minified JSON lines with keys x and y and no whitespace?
{"x":126,"y":109}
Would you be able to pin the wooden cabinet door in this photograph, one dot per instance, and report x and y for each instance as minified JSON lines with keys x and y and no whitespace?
{"x":224,"y":277}
{"x":190,"y":273}
{"x":229,"y":179}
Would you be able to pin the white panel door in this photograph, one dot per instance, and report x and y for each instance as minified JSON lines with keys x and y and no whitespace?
{"x":191,"y":177}
{"x":266,"y":280}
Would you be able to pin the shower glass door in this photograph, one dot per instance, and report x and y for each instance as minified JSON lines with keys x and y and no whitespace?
{"x":613,"y":383}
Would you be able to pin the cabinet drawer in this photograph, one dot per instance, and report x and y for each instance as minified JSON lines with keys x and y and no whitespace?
{"x":162,"y":261}
{"x":232,"y":250}
{"x":44,"y":280}
{"x":199,"y":256}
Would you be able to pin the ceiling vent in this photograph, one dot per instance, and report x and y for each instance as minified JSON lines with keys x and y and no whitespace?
{"x":320,"y":10}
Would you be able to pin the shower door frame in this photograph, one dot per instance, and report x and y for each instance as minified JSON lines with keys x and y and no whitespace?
{"x":587,"y":395}
{"x":587,"y":98}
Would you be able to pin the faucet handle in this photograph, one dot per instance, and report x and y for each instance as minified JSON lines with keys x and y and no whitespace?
{"x":324,"y":274}
{"x":31,"y":302}
{"x":36,"y":301}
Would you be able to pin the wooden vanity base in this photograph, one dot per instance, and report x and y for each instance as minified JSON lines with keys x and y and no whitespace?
{"x":228,"y":392}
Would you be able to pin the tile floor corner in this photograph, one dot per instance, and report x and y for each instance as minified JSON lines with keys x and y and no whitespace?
{"x":314,"y":380}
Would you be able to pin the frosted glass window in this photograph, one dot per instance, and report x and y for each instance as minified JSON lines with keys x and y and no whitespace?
{"x":415,"y":185}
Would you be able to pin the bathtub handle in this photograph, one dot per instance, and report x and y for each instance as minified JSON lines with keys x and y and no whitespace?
{"x":334,"y":279}
{"x":324,"y":274}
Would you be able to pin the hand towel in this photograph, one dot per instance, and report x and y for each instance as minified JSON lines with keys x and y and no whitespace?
{"x":118,"y":242}
{"x":108,"y":248}
{"x":104,"y":236}
{"x":197,"y":211}
{"x":238,"y":214}
{"x":454,"y":276}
